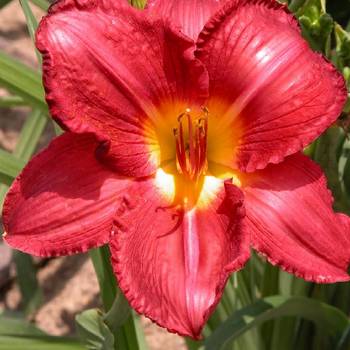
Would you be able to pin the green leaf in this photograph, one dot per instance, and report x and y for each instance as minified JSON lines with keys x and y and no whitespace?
{"x":118,"y":313}
{"x":329,"y":319}
{"x":129,"y":336}
{"x":31,"y":292}
{"x":38,"y":343}
{"x":101,"y":260}
{"x":346,"y":176}
{"x":296,"y":4}
{"x":26,"y":272}
{"x":22,"y":81}
{"x":344,"y":166}
{"x":270,"y":286}
{"x":32,"y":25}
{"x":342,"y":48}
{"x":317,"y":25}
{"x":30,"y":135}
{"x":326,"y":155}
{"x":11,"y":101}
{"x":344,"y":341}
{"x":93,"y":331}
{"x":18,"y":334}
{"x":10,"y":166}
{"x":11,"y":326}
{"x":43,"y":4}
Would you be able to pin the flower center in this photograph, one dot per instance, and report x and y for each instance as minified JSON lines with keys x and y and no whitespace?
{"x":191,"y":144}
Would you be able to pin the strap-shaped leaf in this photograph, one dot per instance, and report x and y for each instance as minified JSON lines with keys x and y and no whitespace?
{"x":93,"y":331}
{"x":30,"y":135}
{"x":10,"y":166}
{"x":128,"y":336}
{"x":17,"y":334}
{"x":32,"y":24}
{"x":22,"y":81}
{"x":11,"y":101}
{"x":38,"y":343}
{"x":43,"y":4}
{"x":328,"y":319}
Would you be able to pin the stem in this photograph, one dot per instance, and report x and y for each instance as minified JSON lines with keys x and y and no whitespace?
{"x":123,"y":323}
{"x":108,"y":287}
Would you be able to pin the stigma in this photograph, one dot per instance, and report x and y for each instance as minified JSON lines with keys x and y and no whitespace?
{"x":191,"y":144}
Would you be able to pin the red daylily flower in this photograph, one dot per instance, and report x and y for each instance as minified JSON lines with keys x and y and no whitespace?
{"x":184,"y":125}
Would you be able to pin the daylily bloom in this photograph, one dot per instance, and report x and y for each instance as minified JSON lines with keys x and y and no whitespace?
{"x":184,"y":125}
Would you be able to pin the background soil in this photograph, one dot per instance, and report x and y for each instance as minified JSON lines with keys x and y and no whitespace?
{"x":69,"y":284}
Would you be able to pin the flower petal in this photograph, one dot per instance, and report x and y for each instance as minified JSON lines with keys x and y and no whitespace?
{"x":279,"y":94}
{"x":289,"y":210}
{"x":107,"y":68}
{"x":173,"y":264}
{"x":190,"y":16}
{"x":64,"y":201}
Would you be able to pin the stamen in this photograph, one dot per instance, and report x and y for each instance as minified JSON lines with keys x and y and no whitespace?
{"x":192,"y":154}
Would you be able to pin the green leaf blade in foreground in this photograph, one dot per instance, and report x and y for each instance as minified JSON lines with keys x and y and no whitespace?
{"x":11,"y":326}
{"x":93,"y":331}
{"x":26,"y":145}
{"x":11,"y":101}
{"x":10,"y":166}
{"x":22,"y":81}
{"x":32,"y":24}
{"x":43,"y":4}
{"x":18,"y":334}
{"x":30,"y":135}
{"x":129,"y":335}
{"x":38,"y":343}
{"x":327,"y":318}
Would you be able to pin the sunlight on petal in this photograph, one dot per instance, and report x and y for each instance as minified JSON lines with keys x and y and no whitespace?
{"x":165,"y":183}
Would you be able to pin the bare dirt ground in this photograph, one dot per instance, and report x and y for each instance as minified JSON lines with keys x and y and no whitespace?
{"x":69,"y":284}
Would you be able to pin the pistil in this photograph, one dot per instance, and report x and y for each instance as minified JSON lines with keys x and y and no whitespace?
{"x":191,"y":148}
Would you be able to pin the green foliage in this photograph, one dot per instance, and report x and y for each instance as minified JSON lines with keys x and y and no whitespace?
{"x":262,"y":307}
{"x":316,"y":23}
{"x":126,"y":327}
{"x":93,"y":331}
{"x":43,"y":4}
{"x":329,"y":319}
{"x":17,"y":334}
{"x":22,"y":81}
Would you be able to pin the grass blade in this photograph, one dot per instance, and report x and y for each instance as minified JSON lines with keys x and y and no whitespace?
{"x":22,"y":81}
{"x":10,"y":166}
{"x":129,"y":336}
{"x":18,"y":334}
{"x":43,"y":4}
{"x":329,"y":319}
{"x":32,"y":25}
{"x":31,"y":292}
{"x":38,"y":343}
{"x":11,"y":101}
{"x":30,"y":135}
{"x":26,"y":272}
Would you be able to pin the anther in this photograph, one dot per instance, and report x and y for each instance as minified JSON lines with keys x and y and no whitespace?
{"x":191,"y":149}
